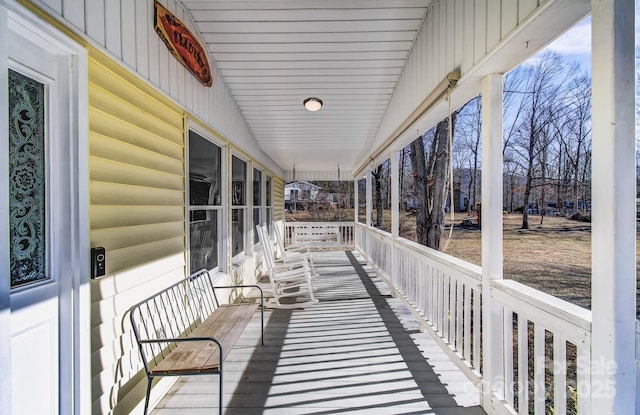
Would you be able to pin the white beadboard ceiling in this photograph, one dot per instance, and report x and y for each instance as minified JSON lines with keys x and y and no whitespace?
{"x":274,"y":54}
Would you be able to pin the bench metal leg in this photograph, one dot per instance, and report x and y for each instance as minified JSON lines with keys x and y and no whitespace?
{"x":146,"y":399}
{"x":221,"y":383}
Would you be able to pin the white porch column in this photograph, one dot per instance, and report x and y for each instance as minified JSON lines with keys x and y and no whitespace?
{"x":613,"y":278}
{"x":492,"y":258}
{"x":369,"y":195}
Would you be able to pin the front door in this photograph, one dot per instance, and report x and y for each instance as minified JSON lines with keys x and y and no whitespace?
{"x":44,"y":226}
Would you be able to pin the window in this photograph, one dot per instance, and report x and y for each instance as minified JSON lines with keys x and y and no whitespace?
{"x":268,"y":196}
{"x":238,"y":204}
{"x":205,"y":207}
{"x":257,"y":201}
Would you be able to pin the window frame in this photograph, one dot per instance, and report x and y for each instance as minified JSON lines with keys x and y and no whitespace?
{"x":268,"y":199}
{"x":242,"y":208}
{"x":261,"y":206}
{"x":221,"y":219}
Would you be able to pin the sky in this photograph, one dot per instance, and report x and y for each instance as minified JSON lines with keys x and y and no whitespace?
{"x":575,"y":44}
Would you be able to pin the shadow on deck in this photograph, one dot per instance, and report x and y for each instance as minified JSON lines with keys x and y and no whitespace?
{"x":357,"y":351}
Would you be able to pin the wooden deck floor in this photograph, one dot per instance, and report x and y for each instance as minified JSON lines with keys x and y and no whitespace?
{"x":358,"y":351}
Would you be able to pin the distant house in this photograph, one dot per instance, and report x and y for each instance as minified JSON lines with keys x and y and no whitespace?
{"x":463,"y":193}
{"x":299,"y":192}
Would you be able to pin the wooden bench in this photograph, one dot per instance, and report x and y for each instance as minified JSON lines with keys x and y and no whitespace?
{"x":316,"y":236}
{"x":184,"y":329}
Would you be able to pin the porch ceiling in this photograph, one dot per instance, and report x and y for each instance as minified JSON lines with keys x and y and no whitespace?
{"x":274,"y":54}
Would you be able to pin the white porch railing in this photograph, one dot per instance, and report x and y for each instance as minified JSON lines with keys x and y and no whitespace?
{"x":443,"y":291}
{"x":559,"y":334}
{"x":548,"y":366}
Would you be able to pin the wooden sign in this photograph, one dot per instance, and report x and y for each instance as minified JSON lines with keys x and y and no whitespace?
{"x":182,"y":44}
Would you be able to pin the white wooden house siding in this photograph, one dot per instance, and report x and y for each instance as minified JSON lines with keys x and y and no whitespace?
{"x":463,"y":34}
{"x":125,"y":30}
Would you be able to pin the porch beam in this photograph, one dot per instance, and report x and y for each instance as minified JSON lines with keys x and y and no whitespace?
{"x":492,"y":256}
{"x":613,"y":278}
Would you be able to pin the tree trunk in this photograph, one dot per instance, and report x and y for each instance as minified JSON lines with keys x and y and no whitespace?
{"x":403,"y":199}
{"x":377,"y":176}
{"x":525,"y":207}
{"x":419,"y":166}
{"x":435,"y":222}
{"x":431,"y":180}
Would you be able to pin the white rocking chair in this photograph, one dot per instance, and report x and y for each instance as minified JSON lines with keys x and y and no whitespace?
{"x":291,"y":279}
{"x":292,"y":254}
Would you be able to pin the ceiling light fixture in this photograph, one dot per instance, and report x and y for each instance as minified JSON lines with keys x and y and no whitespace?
{"x":312,"y":104}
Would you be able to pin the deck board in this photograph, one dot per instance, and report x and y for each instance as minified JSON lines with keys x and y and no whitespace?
{"x":358,"y":351}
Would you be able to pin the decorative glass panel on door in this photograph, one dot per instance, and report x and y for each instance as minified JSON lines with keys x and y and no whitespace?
{"x":27,"y":192}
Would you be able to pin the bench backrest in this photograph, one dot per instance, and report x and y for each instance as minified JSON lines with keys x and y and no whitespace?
{"x":172,"y":313}
{"x":320,"y":233}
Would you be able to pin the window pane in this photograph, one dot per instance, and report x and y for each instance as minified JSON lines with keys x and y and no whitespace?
{"x":257,"y":187}
{"x":203,"y":234}
{"x":268,"y":190}
{"x":257,"y":220}
{"x":238,"y":181}
{"x":237,"y":231}
{"x":27,"y":195}
{"x":205,"y":172}
{"x":269,"y":218}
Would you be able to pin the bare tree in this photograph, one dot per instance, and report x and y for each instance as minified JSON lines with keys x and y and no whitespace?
{"x":420,"y":176}
{"x":376,"y":175}
{"x":577,"y":137}
{"x":468,"y":135}
{"x":431,"y":178}
{"x":542,"y":96}
{"x":378,"y":197}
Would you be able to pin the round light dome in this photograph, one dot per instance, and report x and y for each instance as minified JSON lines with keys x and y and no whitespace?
{"x":312,"y":104}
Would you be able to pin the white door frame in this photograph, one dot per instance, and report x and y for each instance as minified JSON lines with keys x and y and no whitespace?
{"x":75,"y":321}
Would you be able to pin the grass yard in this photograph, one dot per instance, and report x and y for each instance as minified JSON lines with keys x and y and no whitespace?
{"x":554,"y":257}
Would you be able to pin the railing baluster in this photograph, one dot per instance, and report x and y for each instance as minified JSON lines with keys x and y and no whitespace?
{"x":477,"y":333}
{"x":467,"y":324}
{"x":523,"y":365}
{"x":451,"y":315}
{"x":539,"y":368}
{"x":583,"y":384}
{"x":508,"y":355}
{"x":439,"y":301}
{"x":459,"y":316}
{"x":559,"y":375}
